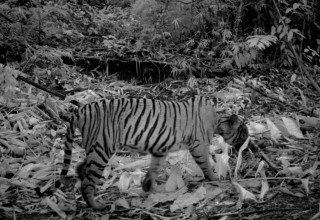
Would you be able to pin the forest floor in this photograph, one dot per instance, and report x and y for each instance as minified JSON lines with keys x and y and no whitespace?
{"x":277,"y":179}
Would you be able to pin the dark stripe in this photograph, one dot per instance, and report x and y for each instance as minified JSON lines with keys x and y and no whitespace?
{"x":117,"y":111}
{"x":90,"y":122}
{"x":200,"y":163}
{"x":138,"y":121}
{"x":165,"y":116}
{"x":175,"y":118}
{"x":100,"y":154}
{"x":195,"y":128}
{"x":66,"y":160}
{"x":192,"y":107}
{"x":68,"y":151}
{"x":150,"y":133}
{"x":69,"y":139}
{"x":185,"y":106}
{"x":146,"y":124}
{"x":92,"y":173}
{"x":137,"y":106}
{"x":124,"y":106}
{"x":90,"y":138}
{"x":131,"y":112}
{"x":157,"y":155}
{"x":163,"y":145}
{"x":155,"y":144}
{"x":138,"y":138}
{"x":64,"y":172}
{"x":70,"y":127}
{"x":180,"y":120}
{"x":153,"y":107}
{"x":97,"y":121}
{"x":201,"y":126}
{"x":105,"y":122}
{"x":127,"y":135}
{"x":111,"y":103}
{"x":179,"y":108}
{"x":83,"y":122}
{"x":174,"y":142}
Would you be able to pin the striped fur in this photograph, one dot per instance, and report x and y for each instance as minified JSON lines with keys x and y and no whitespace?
{"x":146,"y":125}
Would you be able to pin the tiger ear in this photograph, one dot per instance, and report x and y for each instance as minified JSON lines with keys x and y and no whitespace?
{"x":233,"y":120}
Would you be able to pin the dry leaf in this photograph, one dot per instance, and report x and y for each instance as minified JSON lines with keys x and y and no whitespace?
{"x":214,"y":191}
{"x":292,"y":127}
{"x":143,"y":162}
{"x":156,"y":198}
{"x":124,"y":181}
{"x":239,"y":159}
{"x":264,"y":188}
{"x":292,"y":171}
{"x":243,"y":193}
{"x":188,"y":199}
{"x":175,"y":180}
{"x":256,"y":128}
{"x":287,"y":191}
{"x":305,"y":183}
{"x":137,"y":176}
{"x":274,"y":131}
{"x":109,"y":182}
{"x":222,"y":165}
{"x":123,"y":202}
{"x":55,"y":207}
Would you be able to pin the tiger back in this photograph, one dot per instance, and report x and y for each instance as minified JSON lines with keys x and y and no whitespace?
{"x":146,"y":125}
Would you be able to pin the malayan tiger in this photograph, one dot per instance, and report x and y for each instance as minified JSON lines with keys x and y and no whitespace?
{"x":146,"y":125}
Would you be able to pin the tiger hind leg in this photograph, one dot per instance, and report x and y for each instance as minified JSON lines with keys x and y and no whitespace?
{"x":90,"y":172}
{"x":157,"y":160}
{"x":201,"y":155}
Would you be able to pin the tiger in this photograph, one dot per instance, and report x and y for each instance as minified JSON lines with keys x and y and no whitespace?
{"x":148,"y":126}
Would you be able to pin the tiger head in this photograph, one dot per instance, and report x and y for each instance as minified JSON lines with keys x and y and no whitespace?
{"x":233,"y":131}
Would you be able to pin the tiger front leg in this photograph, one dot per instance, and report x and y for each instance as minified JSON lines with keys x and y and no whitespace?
{"x":157,"y":160}
{"x":200,"y":153}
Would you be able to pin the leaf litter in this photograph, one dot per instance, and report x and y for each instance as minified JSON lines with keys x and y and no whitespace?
{"x":31,"y":144}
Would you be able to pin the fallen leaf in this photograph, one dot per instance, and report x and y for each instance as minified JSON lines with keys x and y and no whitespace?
{"x":222,"y":165}
{"x":175,"y":180}
{"x":274,"y":131}
{"x":123,"y":202}
{"x":292,"y":127}
{"x":305,"y":183}
{"x":239,"y":159}
{"x":54,"y":206}
{"x":243,"y":193}
{"x":188,"y":199}
{"x":156,"y":198}
{"x":124,"y":181}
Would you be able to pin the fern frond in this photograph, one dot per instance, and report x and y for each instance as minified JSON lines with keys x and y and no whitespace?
{"x":261,"y":41}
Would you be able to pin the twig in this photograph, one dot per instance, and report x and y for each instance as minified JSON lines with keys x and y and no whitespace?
{"x":5,"y":17}
{"x":265,"y":157}
{"x":253,"y":212}
{"x":61,"y":96}
{"x":275,"y":99}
